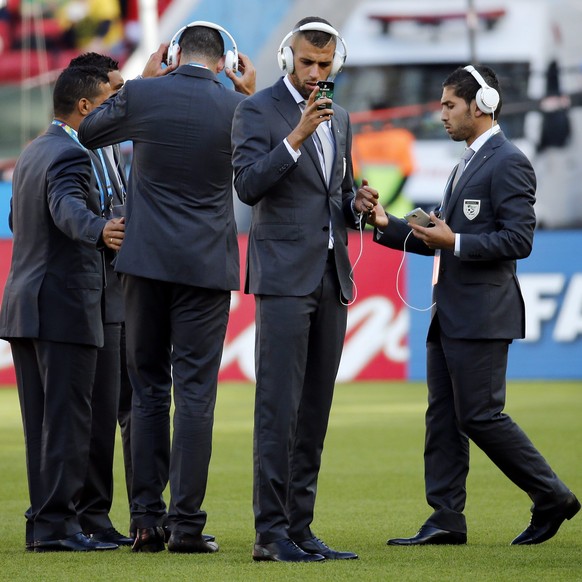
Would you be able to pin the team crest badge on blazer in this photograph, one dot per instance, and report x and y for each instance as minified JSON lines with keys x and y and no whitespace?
{"x":471,"y":208}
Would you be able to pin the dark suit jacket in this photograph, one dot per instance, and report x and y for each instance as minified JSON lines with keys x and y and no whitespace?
{"x":478,"y":295}
{"x":291,"y":201}
{"x":180,"y":224}
{"x":55,"y":284}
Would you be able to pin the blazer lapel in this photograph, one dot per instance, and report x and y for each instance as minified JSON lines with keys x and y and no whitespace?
{"x":478,"y":160}
{"x":337,"y":171}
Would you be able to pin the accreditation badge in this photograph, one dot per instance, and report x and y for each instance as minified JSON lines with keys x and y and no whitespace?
{"x":471,"y":208}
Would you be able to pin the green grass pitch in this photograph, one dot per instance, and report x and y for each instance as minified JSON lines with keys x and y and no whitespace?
{"x":370,"y":489}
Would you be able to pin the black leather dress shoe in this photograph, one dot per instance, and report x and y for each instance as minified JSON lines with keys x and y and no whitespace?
{"x":149,"y":539}
{"x":186,"y":543}
{"x":76,"y":543}
{"x":428,"y":535}
{"x":316,"y":546}
{"x":545,"y":524}
{"x":284,"y":550}
{"x":111,"y":535}
{"x":205,"y":537}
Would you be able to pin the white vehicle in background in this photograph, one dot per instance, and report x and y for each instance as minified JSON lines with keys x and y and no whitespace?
{"x":400,"y":51}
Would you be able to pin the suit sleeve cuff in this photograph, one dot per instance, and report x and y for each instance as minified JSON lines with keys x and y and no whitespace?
{"x":295,"y":155}
{"x":457,"y":244}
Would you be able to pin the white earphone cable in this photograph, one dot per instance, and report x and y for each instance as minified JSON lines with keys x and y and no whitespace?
{"x":351,"y":275}
{"x":398,"y":280}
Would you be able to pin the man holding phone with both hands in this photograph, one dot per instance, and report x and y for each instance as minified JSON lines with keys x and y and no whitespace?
{"x":485,"y":224}
{"x":292,"y":163}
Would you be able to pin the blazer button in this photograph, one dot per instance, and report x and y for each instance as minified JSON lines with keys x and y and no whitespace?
{"x":325,"y":228}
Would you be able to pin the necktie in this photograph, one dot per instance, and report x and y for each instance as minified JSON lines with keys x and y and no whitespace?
{"x":323,"y":142}
{"x":325,"y":146}
{"x":461,"y":166}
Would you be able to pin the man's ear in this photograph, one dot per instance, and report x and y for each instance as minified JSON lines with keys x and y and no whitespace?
{"x":220,"y":64}
{"x":84,"y":106}
{"x":474,"y":109}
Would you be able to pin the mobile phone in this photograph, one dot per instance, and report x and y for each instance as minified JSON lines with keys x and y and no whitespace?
{"x":418,"y":216}
{"x":325,"y":90}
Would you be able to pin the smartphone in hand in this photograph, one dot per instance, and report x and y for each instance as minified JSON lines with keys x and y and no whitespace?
{"x":325,"y":90}
{"x":418,"y":216}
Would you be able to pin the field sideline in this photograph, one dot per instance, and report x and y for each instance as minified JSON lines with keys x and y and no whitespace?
{"x":370,"y":489}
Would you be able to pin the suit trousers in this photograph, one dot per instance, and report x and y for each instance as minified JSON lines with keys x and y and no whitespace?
{"x":97,"y":495}
{"x":175,"y":335}
{"x":124,"y":414}
{"x":298,"y":346}
{"x":466,"y":398}
{"x":54,"y":381}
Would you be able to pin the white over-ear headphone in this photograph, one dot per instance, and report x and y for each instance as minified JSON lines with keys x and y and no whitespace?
{"x":231,"y":59}
{"x":487,"y":97}
{"x":285,"y":53}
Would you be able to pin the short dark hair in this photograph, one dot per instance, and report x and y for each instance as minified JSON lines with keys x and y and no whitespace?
{"x":466,"y":86}
{"x":202,"y":41}
{"x":95,"y":60}
{"x":76,"y":83}
{"x":317,"y":38}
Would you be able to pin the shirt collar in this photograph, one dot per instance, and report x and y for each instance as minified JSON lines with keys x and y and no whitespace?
{"x":480,"y":141}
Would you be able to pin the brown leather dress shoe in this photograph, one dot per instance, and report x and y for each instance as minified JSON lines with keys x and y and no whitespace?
{"x":316,"y":546}
{"x":186,"y":543}
{"x":149,"y":539}
{"x":284,"y":550}
{"x":428,"y":535}
{"x":545,"y":524}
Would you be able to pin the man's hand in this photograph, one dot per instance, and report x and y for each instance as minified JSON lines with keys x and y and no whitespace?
{"x":113,"y":233}
{"x":310,"y":119}
{"x":366,"y":198}
{"x":377,"y":217}
{"x":439,"y":236}
{"x":246,"y":83}
{"x":154,"y":66}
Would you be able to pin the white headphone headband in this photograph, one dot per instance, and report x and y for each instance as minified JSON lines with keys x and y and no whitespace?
{"x":319,"y":26}
{"x":471,"y":69}
{"x":232,"y":58}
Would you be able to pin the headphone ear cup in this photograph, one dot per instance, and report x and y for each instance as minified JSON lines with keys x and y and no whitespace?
{"x":172,"y":54}
{"x":230,"y":61}
{"x":285,"y":59}
{"x":337,"y":64}
{"x":487,"y":99}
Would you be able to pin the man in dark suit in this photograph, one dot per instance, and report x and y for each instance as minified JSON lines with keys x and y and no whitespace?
{"x":111,"y":376}
{"x":486,"y":224}
{"x":51,"y":310}
{"x":299,"y":271}
{"x":179,"y":263}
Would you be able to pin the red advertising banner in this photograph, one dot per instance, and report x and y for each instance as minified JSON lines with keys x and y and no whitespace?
{"x":376,"y":346}
{"x":7,"y":375}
